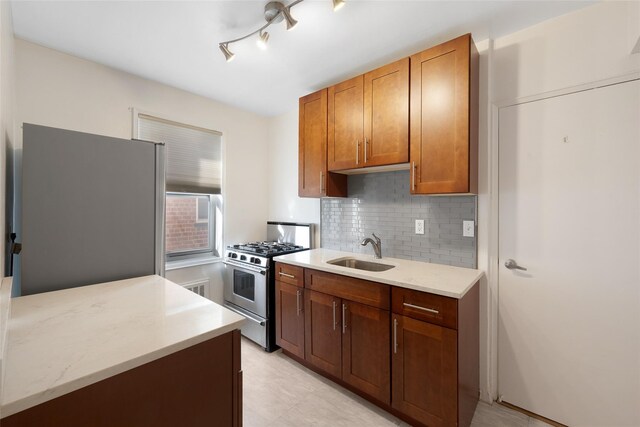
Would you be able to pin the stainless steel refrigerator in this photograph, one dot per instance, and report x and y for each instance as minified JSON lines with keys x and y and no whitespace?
{"x":92,"y":209}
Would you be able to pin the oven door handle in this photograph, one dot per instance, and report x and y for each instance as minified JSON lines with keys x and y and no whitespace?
{"x":245,"y":267}
{"x":243,"y":313}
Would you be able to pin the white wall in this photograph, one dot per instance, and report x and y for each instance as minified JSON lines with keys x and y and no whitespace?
{"x":7,"y":104}
{"x":7,"y":77}
{"x":59,"y":90}
{"x":284,"y":203}
{"x":586,"y":46}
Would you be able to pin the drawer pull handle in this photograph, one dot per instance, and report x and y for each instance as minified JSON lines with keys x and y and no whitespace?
{"x":291,"y":276}
{"x":417,"y":307}
{"x":395,"y":336}
{"x":344,"y":318}
{"x":298,"y":309}
{"x":334,"y":315}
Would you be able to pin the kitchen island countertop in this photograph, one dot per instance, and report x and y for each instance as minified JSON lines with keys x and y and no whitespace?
{"x":61,"y":341}
{"x":437,"y":279}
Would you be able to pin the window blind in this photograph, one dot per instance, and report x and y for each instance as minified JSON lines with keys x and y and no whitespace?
{"x":194,"y":155}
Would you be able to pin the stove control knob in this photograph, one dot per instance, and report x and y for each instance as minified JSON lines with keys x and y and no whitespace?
{"x":234,"y":255}
{"x":256,"y":260}
{"x":243,"y":258}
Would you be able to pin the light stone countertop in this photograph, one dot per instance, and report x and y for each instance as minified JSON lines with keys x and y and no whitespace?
{"x":421,"y":276}
{"x":61,"y":341}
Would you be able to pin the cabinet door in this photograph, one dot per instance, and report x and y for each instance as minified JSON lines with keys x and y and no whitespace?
{"x":365,"y":349}
{"x":290,"y":318}
{"x":313,"y":178}
{"x":312,"y":141}
{"x":345,"y":139}
{"x":386,"y":114}
{"x":323,"y":332}
{"x":424,"y":371}
{"x":442,"y":148}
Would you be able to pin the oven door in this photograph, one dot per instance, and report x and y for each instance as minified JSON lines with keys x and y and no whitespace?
{"x":246,"y":287}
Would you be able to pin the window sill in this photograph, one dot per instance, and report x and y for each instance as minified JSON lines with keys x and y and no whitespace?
{"x":191,"y":262}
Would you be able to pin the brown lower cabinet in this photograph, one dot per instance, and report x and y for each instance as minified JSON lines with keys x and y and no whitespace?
{"x":322,"y":335}
{"x":424,"y":371}
{"x":365,"y":350}
{"x":415,"y":354}
{"x":198,"y":386}
{"x":290,"y":318}
{"x":350,"y":341}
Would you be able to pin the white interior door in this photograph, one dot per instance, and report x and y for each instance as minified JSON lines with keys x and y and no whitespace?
{"x":569,"y":195}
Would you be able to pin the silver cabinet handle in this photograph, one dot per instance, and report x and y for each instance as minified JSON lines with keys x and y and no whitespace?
{"x":357,"y":151}
{"x":512,"y":265}
{"x":366,"y":146}
{"x":321,"y":181}
{"x":298,"y":310}
{"x":395,"y":335}
{"x":417,"y":307}
{"x":291,"y":276}
{"x":334,"y":315}
{"x":413,"y":176}
{"x":344,"y":318}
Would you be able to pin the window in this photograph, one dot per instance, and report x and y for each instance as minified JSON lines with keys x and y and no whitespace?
{"x":194,"y":189}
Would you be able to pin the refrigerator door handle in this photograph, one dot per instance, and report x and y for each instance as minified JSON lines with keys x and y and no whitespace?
{"x":161,"y":164}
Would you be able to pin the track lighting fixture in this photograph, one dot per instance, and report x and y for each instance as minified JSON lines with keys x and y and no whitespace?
{"x":263,"y":38}
{"x":274,"y":12}
{"x":291,"y":23}
{"x":228,"y":55}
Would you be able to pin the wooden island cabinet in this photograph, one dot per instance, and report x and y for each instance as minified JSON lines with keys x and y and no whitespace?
{"x":415,"y":354}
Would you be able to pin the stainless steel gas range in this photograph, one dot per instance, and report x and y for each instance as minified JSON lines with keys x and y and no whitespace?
{"x":249,"y":282}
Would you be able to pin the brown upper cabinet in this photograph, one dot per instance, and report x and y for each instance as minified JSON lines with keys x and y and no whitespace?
{"x":421,"y":110}
{"x":313,"y":178}
{"x":444,"y":118}
{"x":369,"y":119}
{"x":346,"y":125}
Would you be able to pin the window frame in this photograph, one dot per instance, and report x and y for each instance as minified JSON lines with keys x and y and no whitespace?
{"x":216,"y":225}
{"x":184,"y":254}
{"x":208,"y":220}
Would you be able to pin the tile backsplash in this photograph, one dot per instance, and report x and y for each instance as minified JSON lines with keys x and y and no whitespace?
{"x":381,"y":203}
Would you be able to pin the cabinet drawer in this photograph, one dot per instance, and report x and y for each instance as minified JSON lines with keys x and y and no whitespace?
{"x":362,"y":291}
{"x":424,"y":306}
{"x":290,"y":274}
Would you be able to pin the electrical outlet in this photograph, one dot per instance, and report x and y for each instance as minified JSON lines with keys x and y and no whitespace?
{"x":468,"y":228}
{"x":419,"y":226}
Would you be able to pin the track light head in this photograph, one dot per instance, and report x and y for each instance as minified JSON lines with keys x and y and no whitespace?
{"x":263,"y":38}
{"x":228,"y":55}
{"x":291,"y":23}
{"x":274,"y":11}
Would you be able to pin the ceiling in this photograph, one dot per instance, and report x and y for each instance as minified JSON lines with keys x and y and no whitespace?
{"x":176,"y":42}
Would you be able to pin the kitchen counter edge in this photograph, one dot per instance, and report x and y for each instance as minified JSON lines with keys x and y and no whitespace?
{"x":109,"y":370}
{"x":453,"y":282}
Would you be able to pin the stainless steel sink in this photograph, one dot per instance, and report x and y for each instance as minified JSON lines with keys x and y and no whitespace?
{"x":360,"y":264}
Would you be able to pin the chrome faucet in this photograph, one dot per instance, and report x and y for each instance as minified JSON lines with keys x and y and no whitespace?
{"x":377,"y":245}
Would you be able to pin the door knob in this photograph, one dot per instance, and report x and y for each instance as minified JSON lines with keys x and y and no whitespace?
{"x":512,"y":265}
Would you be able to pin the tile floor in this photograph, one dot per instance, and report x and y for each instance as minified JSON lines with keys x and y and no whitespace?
{"x":281,"y":392}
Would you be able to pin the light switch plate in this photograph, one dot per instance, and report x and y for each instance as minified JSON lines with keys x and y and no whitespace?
{"x":468,"y":228}
{"x":419,"y":226}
